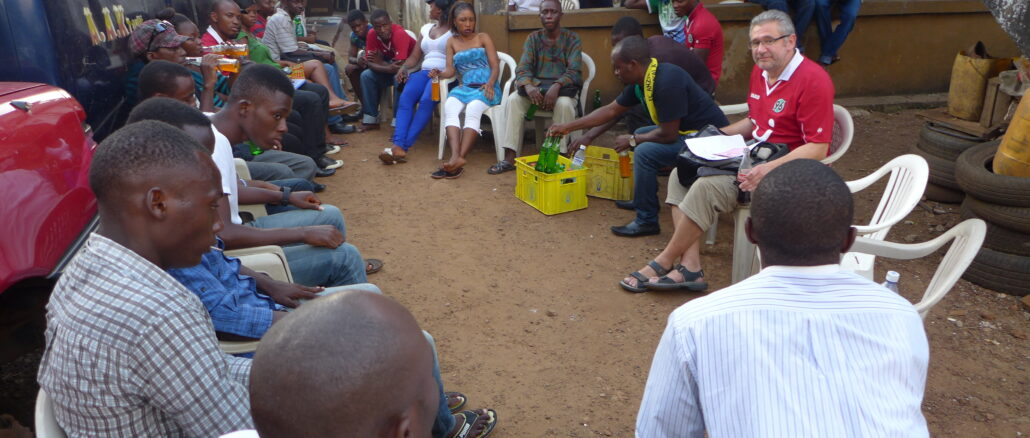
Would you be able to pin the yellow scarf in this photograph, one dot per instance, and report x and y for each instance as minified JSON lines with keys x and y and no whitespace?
{"x":647,"y":95}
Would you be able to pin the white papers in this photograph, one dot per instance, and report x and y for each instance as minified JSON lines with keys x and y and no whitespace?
{"x":717,"y":147}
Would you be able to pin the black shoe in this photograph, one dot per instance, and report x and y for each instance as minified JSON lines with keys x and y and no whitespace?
{"x":319,"y":188}
{"x":351,"y":118}
{"x":636,"y":229}
{"x":322,"y":173}
{"x":340,"y":128}
{"x":325,"y":162}
{"x":625,"y":205}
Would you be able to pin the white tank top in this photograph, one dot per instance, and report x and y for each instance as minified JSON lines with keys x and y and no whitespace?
{"x":434,"y":51}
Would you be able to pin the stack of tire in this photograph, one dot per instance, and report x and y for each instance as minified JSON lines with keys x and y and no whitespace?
{"x":941,"y":147}
{"x":1003,"y":263}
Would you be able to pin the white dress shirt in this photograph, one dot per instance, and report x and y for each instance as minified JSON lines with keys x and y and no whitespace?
{"x":790,"y":352}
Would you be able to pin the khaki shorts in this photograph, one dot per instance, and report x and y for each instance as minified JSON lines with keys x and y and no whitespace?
{"x":705,"y":199}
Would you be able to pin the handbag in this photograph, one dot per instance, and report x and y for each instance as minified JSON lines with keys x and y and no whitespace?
{"x":690,"y":167}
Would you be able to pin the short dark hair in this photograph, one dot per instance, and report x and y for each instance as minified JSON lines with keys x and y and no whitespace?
{"x":379,"y":13}
{"x":445,"y":6}
{"x":355,"y":15}
{"x":801,"y":213}
{"x":627,"y":26}
{"x":159,"y":77}
{"x":138,"y":149}
{"x":244,"y":4}
{"x":260,"y":80}
{"x":170,"y":111}
{"x":633,"y":48}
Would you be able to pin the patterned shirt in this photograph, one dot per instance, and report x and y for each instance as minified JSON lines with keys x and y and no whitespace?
{"x":221,"y":86}
{"x":790,"y":352}
{"x":560,"y":62}
{"x":258,"y":29}
{"x":279,"y":35}
{"x":130,"y":352}
{"x":231,"y":298}
{"x":357,"y":41}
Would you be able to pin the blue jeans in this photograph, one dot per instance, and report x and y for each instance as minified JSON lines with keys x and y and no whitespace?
{"x":315,"y":265}
{"x":444,"y":419}
{"x":411,"y":121}
{"x":333,"y":72}
{"x":802,"y":15}
{"x":831,"y":39}
{"x":373,"y":83}
{"x":296,"y":185}
{"x":648,"y":157}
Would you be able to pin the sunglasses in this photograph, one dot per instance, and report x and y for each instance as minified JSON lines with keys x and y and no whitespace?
{"x":159,"y":28}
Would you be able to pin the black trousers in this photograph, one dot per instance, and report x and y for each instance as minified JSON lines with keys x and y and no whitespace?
{"x":307,"y":120}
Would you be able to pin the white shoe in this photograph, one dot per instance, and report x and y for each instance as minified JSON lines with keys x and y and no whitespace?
{"x":334,"y":149}
{"x":336,"y":164}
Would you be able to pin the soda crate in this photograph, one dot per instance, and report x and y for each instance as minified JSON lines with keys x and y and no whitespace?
{"x":603,"y":177}
{"x":552,"y":193}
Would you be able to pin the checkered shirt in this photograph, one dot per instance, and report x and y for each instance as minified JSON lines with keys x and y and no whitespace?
{"x":131,"y":352}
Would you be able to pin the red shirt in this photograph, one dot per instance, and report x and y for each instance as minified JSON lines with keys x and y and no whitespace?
{"x":704,"y":32}
{"x":797,"y":109}
{"x":398,"y":49}
{"x":258,"y":29}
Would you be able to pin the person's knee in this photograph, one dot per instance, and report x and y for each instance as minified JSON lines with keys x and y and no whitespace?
{"x":368,"y":77}
{"x":331,"y":215}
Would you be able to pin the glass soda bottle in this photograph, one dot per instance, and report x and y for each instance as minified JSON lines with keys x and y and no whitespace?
{"x":625,"y":167}
{"x":531,"y":111}
{"x":744,"y":197}
{"x":436,"y":89}
{"x":597,"y":99}
{"x":541,"y":160}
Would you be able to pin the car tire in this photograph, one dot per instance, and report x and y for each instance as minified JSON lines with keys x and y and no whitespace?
{"x":1013,"y":218}
{"x":943,"y":142}
{"x":942,"y":172}
{"x":944,"y":195}
{"x":1000,"y":238}
{"x":974,"y":176}
{"x":999,"y":271}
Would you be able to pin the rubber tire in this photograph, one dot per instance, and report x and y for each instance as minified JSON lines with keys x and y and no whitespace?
{"x":1001,"y":272}
{"x":1013,"y":218}
{"x":944,"y":195}
{"x":974,"y":176}
{"x":942,"y":172}
{"x":1000,"y":238}
{"x":936,"y":141}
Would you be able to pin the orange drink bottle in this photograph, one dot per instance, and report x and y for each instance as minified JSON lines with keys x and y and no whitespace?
{"x":436,"y":89}
{"x":229,"y":65}
{"x":625,"y":168}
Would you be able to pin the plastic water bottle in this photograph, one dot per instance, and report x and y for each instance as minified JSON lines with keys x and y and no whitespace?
{"x":892,"y":281}
{"x":579,"y":158}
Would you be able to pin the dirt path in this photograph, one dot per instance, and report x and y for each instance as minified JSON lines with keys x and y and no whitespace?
{"x":529,"y":319}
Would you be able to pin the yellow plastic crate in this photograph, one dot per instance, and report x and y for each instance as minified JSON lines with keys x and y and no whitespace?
{"x":550,"y":193}
{"x":603,"y":177}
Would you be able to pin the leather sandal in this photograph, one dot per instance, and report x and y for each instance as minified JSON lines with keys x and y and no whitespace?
{"x":642,"y":281}
{"x":689,"y":281}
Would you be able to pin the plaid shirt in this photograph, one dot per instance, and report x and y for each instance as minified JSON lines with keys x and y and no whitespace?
{"x":130,"y":352}
{"x":231,"y":298}
{"x":279,"y":35}
{"x":560,"y":62}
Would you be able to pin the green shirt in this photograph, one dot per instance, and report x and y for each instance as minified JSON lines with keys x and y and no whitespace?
{"x":259,"y":52}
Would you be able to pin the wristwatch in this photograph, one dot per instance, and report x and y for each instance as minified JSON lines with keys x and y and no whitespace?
{"x":633,"y":140}
{"x":286,"y":196}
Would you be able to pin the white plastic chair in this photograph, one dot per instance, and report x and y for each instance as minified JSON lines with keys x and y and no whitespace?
{"x":270,"y":260}
{"x":966,"y":238}
{"x":46,"y":422}
{"x":242,"y":172}
{"x":568,"y":5}
{"x":584,"y":95}
{"x":494,"y":113}
{"x":908,"y":177}
{"x":843,"y":133}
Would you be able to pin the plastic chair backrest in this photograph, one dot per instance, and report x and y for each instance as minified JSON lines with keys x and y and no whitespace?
{"x":254,"y":210}
{"x":46,"y":422}
{"x":270,"y":260}
{"x":908,"y":176}
{"x":584,"y":94}
{"x":412,"y":34}
{"x":568,"y":5}
{"x":503,"y":60}
{"x":966,"y":238}
{"x":843,"y":132}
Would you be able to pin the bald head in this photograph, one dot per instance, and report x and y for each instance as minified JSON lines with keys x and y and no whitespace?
{"x":801,"y":215}
{"x":352,"y":361}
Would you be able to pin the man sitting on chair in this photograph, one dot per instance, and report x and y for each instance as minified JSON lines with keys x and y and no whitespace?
{"x":548,"y":76}
{"x":791,"y":102}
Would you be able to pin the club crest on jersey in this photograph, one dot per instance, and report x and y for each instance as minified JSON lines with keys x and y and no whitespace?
{"x":690,"y":38}
{"x":778,"y":106}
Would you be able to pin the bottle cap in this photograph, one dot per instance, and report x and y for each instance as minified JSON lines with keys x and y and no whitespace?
{"x":893,"y":276}
{"x":582,"y":147}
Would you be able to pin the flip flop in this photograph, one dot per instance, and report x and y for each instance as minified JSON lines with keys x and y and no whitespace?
{"x":468,"y":418}
{"x":349,"y":108}
{"x":642,"y":281}
{"x":501,"y":167}
{"x":688,"y":283}
{"x":441,"y":174}
{"x":386,"y":156}
{"x":372,"y":266}
{"x":455,"y":174}
{"x":461,"y":400}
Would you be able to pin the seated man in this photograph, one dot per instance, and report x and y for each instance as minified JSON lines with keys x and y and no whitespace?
{"x":313,"y":239}
{"x":672,"y":25}
{"x":676,"y":106}
{"x":703,"y":34}
{"x":356,"y":65}
{"x":800,"y":349}
{"x":129,"y":350}
{"x":548,"y":76}
{"x":664,"y":49}
{"x":791,"y":103}
{"x":166,"y":79}
{"x":363,"y":362}
{"x":388,"y":46}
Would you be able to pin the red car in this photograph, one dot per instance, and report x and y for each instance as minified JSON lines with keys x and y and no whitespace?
{"x":46,"y":207}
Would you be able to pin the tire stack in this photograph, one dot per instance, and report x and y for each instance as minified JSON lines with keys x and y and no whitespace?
{"x":1003,"y":263}
{"x":941,"y":147}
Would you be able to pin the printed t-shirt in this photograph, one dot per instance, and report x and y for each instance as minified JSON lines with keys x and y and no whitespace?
{"x":677,"y":96}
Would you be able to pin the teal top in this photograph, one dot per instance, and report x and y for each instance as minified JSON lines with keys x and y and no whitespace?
{"x":474,"y":70}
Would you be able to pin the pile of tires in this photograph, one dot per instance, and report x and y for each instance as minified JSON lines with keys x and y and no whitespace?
{"x":941,"y":147}
{"x":1003,"y":263}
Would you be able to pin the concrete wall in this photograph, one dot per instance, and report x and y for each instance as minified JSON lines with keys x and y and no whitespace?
{"x":897,"y":47}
